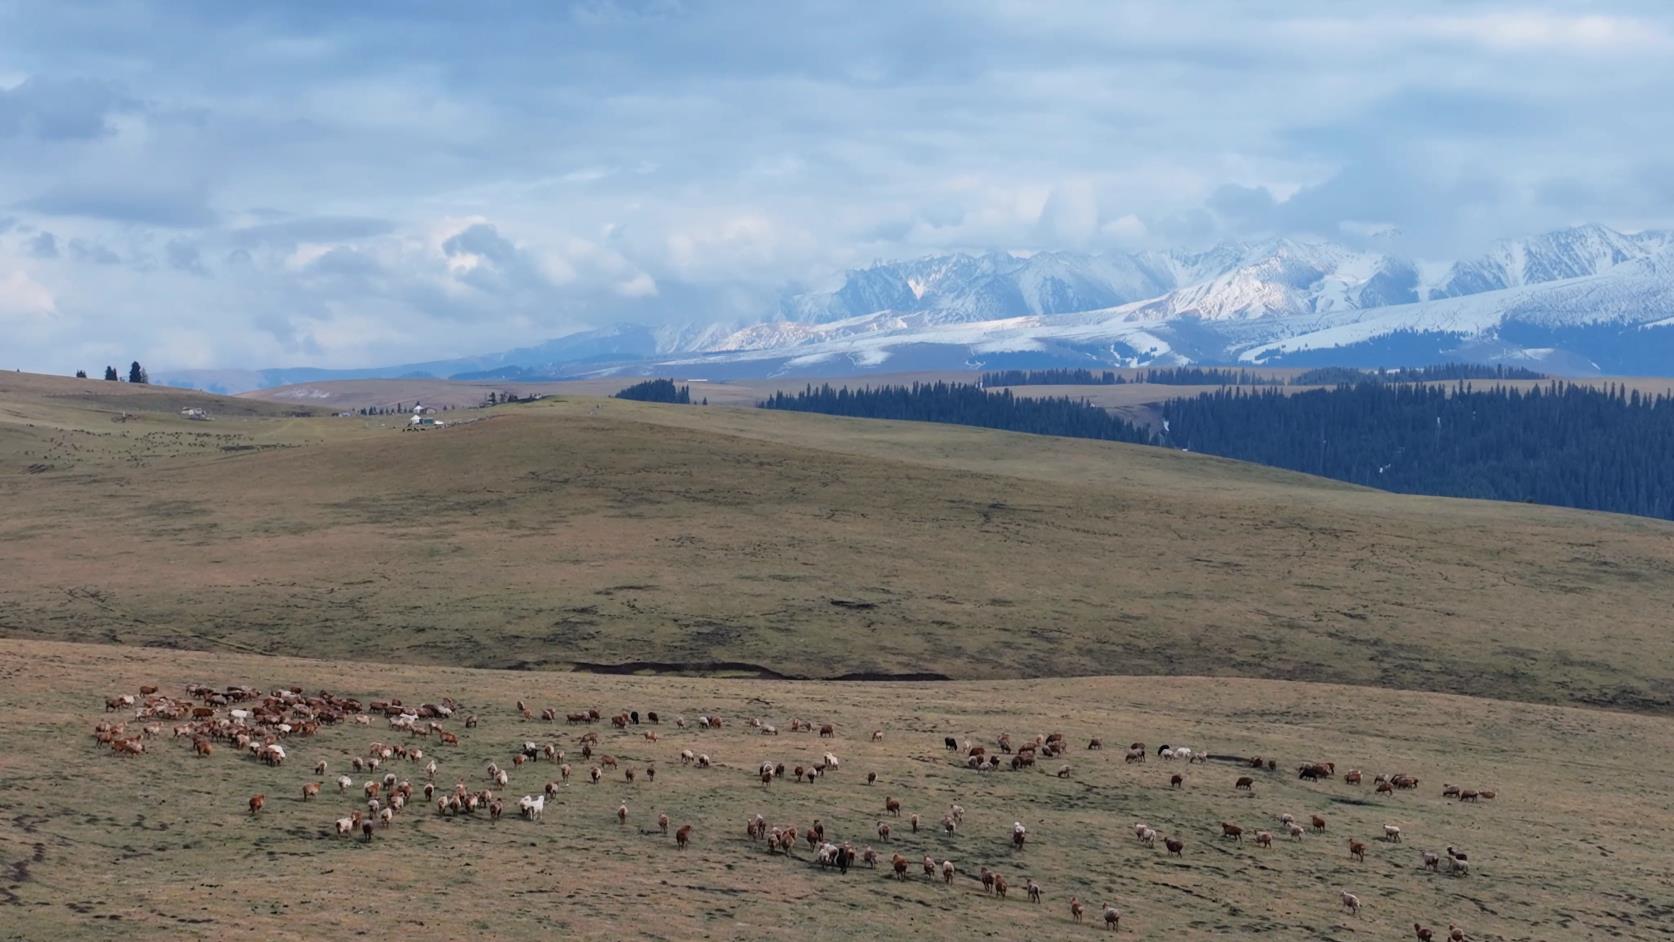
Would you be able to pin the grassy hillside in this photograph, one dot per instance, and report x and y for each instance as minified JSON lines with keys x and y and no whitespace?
{"x":603,"y":532}
{"x":1571,"y":847}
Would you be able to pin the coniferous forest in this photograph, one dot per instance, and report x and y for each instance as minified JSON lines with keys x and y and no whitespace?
{"x":964,"y":404}
{"x":657,"y":390}
{"x":1574,"y":446}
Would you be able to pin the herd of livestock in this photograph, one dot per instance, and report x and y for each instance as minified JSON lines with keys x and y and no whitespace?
{"x":258,"y":724}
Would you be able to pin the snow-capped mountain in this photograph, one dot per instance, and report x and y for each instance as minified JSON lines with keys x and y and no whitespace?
{"x":1586,"y":299}
{"x":1579,"y":300}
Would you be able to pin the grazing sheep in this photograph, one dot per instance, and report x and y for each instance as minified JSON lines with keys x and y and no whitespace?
{"x":320,"y":767}
{"x":869,"y":857}
{"x":1246,"y":783}
{"x":1319,"y":823}
{"x":1357,"y":850}
{"x":1432,"y":861}
{"x":1264,"y":838}
{"x":683,"y":836}
{"x":1424,"y":933}
{"x":1175,"y":846}
{"x":999,"y":886}
{"x":947,"y":871}
{"x":1034,"y":891}
{"x":883,"y":831}
{"x":1351,"y":903}
{"x":914,"y":821}
{"x":1228,"y":829}
{"x":343,"y":783}
{"x":1459,"y":867}
{"x":256,"y":803}
{"x":622,"y":813}
{"x":827,"y":731}
{"x":1112,"y":918}
{"x":871,"y":777}
{"x":899,"y":864}
{"x":1352,"y":777}
{"x":1076,"y":909}
{"x":1392,"y":834}
{"x":987,"y":877}
{"x":893,"y":806}
{"x":1019,"y":835}
{"x":1176,"y":780}
{"x":531,"y":806}
{"x":310,"y":790}
{"x":1295,"y":831}
{"x":703,"y":761}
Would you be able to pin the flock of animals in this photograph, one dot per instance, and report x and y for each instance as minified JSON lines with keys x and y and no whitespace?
{"x":258,"y":724}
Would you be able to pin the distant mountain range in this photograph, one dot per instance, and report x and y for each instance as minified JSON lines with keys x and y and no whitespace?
{"x":1584,"y":300}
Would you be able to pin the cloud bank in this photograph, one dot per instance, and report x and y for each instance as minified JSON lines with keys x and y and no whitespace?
{"x":201,"y":184}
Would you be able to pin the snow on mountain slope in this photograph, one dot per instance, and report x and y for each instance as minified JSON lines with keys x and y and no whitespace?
{"x":1551,"y":256}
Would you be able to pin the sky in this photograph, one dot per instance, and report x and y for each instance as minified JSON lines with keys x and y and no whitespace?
{"x":210,"y":184}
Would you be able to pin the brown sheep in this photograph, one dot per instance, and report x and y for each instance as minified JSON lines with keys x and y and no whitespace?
{"x":1357,"y":850}
{"x":1112,"y":918}
{"x":900,"y":864}
{"x":1352,"y":777}
{"x":662,"y":824}
{"x":1319,"y":823}
{"x":1424,"y":933}
{"x":1176,"y":780}
{"x":1175,"y":846}
{"x":256,"y":803}
{"x":1076,"y":909}
{"x":1231,"y":830}
{"x":827,"y":731}
{"x":893,"y":806}
{"x":1034,"y":891}
{"x":1264,"y":838}
{"x":310,"y":790}
{"x":1246,"y":783}
{"x":999,"y":886}
{"x":683,"y":836}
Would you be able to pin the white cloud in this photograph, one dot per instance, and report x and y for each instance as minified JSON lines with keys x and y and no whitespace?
{"x":248,"y":188}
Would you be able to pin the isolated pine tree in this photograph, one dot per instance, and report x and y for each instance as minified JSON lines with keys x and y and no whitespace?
{"x":110,"y":374}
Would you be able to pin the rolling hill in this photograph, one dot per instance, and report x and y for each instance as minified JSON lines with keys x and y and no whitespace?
{"x":599,"y":533}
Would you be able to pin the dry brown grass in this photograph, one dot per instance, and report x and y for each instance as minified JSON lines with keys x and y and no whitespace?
{"x":162,"y":846}
{"x":583,"y":530}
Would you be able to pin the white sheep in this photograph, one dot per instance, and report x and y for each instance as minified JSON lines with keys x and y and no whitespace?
{"x":1392,"y":834}
{"x":1351,"y":902}
{"x":531,"y":807}
{"x":343,"y":783}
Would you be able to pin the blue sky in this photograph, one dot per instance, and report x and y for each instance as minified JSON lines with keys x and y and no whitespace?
{"x":203,"y":184}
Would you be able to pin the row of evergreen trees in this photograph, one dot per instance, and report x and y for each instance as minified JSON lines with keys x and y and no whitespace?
{"x":1574,"y":446}
{"x":1168,"y":376}
{"x":136,"y":374}
{"x":964,"y":404}
{"x":1223,"y":376}
{"x":1444,"y":372}
{"x":658,"y":390}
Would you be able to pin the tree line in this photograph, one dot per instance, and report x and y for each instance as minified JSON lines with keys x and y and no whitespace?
{"x":963,"y":404}
{"x":1168,"y":376}
{"x":659,"y":390}
{"x":136,"y":374}
{"x":1559,"y":443}
{"x":1223,"y":376}
{"x":1564,"y":444}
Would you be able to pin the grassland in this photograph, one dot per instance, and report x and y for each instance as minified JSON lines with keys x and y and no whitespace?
{"x":94,"y":846}
{"x":598,"y":532}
